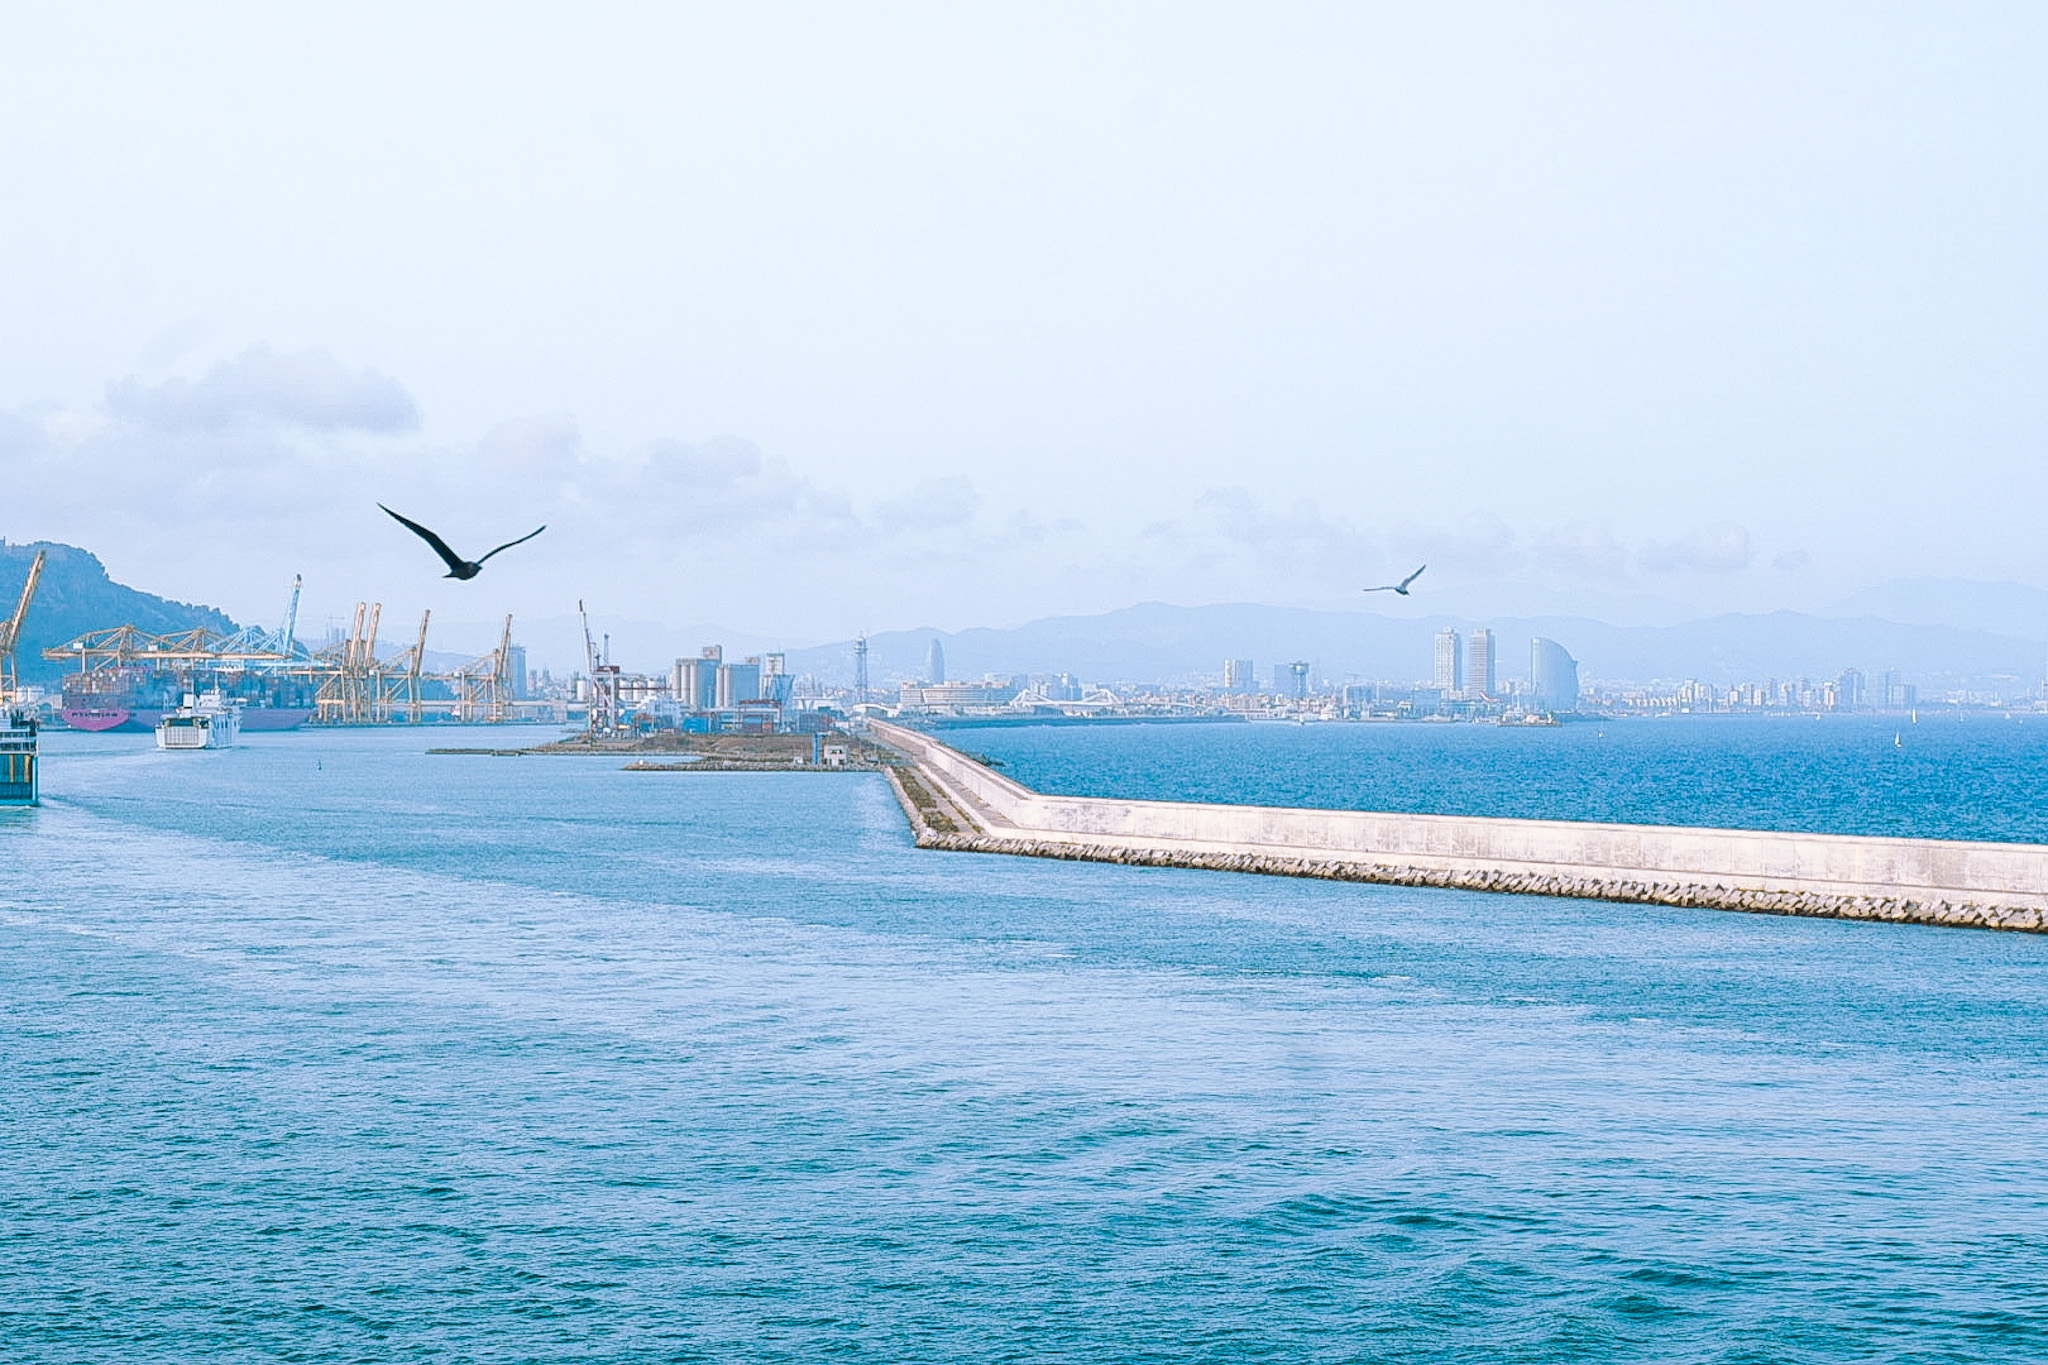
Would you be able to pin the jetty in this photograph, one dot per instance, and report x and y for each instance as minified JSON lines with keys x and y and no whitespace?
{"x":955,"y":803}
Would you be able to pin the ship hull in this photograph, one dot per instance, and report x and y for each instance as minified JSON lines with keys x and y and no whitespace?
{"x":100,"y":718}
{"x":275,"y":717}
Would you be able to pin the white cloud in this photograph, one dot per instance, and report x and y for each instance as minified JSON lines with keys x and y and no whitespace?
{"x":1723,"y":549}
{"x":930,"y":505}
{"x":264,"y":387}
{"x":219,"y":489}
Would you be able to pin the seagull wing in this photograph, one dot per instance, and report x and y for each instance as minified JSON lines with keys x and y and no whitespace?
{"x":440,"y":545}
{"x":510,"y":543}
{"x":1411,"y":578}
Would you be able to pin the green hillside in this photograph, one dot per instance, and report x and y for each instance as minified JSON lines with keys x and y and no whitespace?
{"x":77,"y":596}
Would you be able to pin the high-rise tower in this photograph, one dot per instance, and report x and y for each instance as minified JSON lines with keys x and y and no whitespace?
{"x":1553,"y":676}
{"x":1450,"y":663}
{"x":1479,"y":665}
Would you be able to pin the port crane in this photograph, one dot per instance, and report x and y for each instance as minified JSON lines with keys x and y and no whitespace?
{"x":483,"y":686}
{"x":351,"y":685}
{"x":10,"y":632}
{"x":607,"y":716}
{"x":285,"y":635}
{"x":412,"y":661}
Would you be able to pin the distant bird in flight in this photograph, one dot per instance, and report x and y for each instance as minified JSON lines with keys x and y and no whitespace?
{"x":1401,"y":587}
{"x":458,"y":567}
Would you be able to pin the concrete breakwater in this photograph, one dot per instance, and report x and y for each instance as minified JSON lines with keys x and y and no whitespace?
{"x":958,"y":804}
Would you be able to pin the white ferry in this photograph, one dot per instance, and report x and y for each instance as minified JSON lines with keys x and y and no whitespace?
{"x":204,"y":722}
{"x":17,"y":758}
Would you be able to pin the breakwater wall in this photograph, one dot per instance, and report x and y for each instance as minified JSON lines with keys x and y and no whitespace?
{"x":955,"y":803}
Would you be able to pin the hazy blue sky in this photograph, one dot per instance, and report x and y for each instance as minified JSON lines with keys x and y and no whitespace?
{"x":811,"y":317}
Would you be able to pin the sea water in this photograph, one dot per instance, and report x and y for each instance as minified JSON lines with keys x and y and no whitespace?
{"x":324,"y":1048}
{"x":1934,"y":775}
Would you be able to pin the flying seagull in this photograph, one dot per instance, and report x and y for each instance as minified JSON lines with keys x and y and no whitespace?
{"x":458,"y":567}
{"x":1401,"y":587}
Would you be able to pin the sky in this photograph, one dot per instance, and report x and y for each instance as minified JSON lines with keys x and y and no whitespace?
{"x":814,"y":318}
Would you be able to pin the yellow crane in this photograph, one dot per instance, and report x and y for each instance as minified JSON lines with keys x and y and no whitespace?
{"x":401,"y":682}
{"x":10,"y":632}
{"x":415,"y":711}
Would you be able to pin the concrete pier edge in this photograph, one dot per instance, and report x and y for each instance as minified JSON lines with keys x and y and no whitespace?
{"x":955,"y":804}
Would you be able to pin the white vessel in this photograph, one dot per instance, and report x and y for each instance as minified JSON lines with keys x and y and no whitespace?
{"x":17,"y":758}
{"x":204,"y":722}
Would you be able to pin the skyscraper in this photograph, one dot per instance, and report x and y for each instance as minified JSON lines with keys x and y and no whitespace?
{"x":1553,"y":676}
{"x":1238,"y":676}
{"x":1850,"y":689}
{"x":935,"y":663}
{"x":1450,"y":663}
{"x":1479,"y":663}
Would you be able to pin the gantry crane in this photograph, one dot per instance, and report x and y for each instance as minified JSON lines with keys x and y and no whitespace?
{"x":351,"y":690}
{"x":284,"y":641}
{"x":10,"y":632}
{"x":483,"y":686}
{"x":352,"y":685}
{"x":407,"y":687}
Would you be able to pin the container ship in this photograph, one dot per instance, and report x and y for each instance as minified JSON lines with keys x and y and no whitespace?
{"x":135,"y":699}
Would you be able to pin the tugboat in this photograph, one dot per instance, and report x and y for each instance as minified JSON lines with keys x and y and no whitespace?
{"x":204,"y":722}
{"x":17,"y":758}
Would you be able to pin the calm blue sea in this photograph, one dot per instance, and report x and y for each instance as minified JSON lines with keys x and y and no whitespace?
{"x":1937,"y":776}
{"x":324,"y":1049}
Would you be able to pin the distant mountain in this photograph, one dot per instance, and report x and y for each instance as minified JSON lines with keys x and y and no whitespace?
{"x":1156,"y":642}
{"x":1938,"y":634}
{"x":76,"y":596}
{"x":2000,"y":608}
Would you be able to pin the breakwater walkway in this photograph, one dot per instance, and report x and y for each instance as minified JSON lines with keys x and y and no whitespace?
{"x":955,"y":803}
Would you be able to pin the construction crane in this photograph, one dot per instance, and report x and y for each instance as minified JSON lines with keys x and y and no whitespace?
{"x":10,"y":632}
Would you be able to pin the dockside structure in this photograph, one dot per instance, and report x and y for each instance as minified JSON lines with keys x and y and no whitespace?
{"x":956,"y":803}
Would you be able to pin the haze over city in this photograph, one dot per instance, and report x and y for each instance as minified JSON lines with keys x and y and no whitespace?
{"x":812,"y":319}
